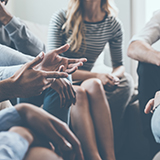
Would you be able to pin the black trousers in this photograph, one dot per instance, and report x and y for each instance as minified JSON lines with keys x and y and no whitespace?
{"x":148,"y":84}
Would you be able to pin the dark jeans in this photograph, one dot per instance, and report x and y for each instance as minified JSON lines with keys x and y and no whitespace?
{"x":51,"y":103}
{"x":149,"y":83}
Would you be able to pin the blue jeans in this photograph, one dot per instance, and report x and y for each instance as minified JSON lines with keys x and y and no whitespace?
{"x":51,"y":103}
{"x":12,"y":146}
{"x":155,"y":124}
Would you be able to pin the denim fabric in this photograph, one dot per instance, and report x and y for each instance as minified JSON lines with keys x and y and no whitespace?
{"x":12,"y":146}
{"x":155,"y":124}
{"x":9,"y":117}
{"x":51,"y":103}
{"x":10,"y":61}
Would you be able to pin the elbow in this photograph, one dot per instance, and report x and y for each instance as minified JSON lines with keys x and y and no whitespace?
{"x":130,"y":51}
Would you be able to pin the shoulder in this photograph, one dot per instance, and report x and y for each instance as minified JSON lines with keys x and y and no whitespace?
{"x":114,"y":22}
{"x":156,"y":15}
{"x":59,"y":17}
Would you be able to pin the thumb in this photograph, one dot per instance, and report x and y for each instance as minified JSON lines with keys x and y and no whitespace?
{"x":62,"y":49}
{"x":61,"y":68}
{"x":36,"y":61}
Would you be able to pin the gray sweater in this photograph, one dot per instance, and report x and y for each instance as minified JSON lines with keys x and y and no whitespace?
{"x":17,"y":46}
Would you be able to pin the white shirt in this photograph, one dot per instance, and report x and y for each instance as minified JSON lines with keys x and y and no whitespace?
{"x":151,"y":31}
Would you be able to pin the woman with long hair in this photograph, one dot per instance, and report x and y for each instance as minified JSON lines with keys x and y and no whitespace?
{"x":87,"y":26}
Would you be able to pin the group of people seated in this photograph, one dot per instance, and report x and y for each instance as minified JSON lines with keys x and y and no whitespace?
{"x":66,"y":111}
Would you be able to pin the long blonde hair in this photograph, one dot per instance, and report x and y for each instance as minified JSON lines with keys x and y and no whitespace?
{"x":74,"y":22}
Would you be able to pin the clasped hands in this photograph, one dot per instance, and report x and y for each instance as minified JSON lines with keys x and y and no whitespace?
{"x":109,"y":81}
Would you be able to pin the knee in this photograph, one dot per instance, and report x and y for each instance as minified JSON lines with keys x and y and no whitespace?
{"x":127,"y":84}
{"x":24,"y":132}
{"x":93,"y":85}
{"x":80,"y":93}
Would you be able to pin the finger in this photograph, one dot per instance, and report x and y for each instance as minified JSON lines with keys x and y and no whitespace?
{"x":55,"y":74}
{"x":110,"y":83}
{"x":78,"y":64}
{"x":59,"y":140}
{"x":72,"y":70}
{"x":62,"y":49}
{"x":74,"y":95}
{"x":71,"y":138}
{"x":35,"y":61}
{"x":64,"y":93}
{"x":116,"y":83}
{"x":77,"y":60}
{"x":47,"y":86}
{"x":69,"y":94}
{"x":110,"y":77}
{"x":61,"y":68}
{"x":61,"y":100}
{"x":149,"y":106}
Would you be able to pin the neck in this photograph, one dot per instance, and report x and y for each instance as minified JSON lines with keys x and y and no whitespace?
{"x":92,"y":10}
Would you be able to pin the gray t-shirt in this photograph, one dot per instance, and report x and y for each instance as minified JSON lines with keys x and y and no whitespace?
{"x":17,"y":46}
{"x":151,"y":31}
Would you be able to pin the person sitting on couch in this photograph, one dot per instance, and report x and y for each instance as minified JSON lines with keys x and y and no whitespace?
{"x":18,"y":45}
{"x":140,"y":49}
{"x":14,"y":144}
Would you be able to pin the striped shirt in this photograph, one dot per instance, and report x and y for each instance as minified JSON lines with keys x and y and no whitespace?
{"x":96,"y":36}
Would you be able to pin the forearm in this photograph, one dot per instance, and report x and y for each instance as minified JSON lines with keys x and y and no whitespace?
{"x":118,"y":71}
{"x":81,"y":75}
{"x":143,"y":52}
{"x":44,"y":123}
{"x":6,"y":89}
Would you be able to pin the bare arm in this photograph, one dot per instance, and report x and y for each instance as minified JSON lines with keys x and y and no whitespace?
{"x":81,"y":75}
{"x":143,"y":52}
{"x":50,"y":127}
{"x":118,"y":71}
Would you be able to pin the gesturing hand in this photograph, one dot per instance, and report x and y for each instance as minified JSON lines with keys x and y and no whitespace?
{"x":152,"y":103}
{"x":65,"y":90}
{"x":52,"y":61}
{"x":109,"y":81}
{"x":29,"y":81}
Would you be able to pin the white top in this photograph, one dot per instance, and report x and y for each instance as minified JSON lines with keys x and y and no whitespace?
{"x":151,"y":31}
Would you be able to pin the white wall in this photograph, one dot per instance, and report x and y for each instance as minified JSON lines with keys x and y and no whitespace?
{"x":39,"y":11}
{"x":124,"y":7}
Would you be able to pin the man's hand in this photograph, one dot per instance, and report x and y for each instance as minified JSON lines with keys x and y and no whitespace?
{"x":109,"y":81}
{"x":152,"y":103}
{"x":5,"y":16}
{"x":66,"y":92}
{"x":51,"y":128}
{"x":52,"y":61}
{"x":28,"y":81}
